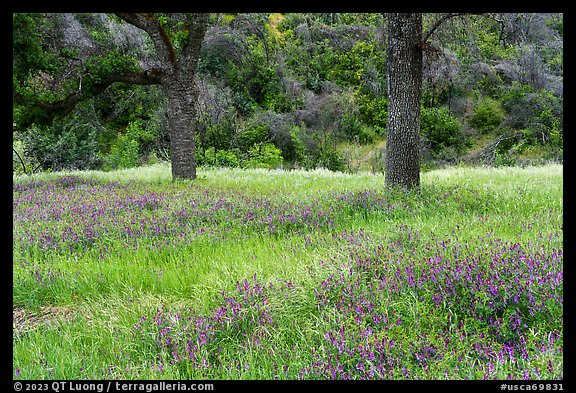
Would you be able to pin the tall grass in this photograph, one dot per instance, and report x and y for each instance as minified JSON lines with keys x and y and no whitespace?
{"x":255,"y":274}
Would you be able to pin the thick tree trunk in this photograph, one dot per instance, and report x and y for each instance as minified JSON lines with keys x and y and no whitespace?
{"x":182,"y":95}
{"x":404,"y":64}
{"x":176,"y":75}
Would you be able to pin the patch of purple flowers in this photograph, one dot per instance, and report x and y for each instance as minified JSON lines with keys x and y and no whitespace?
{"x":70,"y":214}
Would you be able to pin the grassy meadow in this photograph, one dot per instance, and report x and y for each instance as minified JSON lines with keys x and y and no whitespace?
{"x":257,"y":274}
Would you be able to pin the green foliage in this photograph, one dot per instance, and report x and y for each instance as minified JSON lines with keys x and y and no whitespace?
{"x":113,"y":62}
{"x":67,"y":144}
{"x":556,"y":22}
{"x":137,"y":130}
{"x":256,"y":80}
{"x":340,"y":58}
{"x":515,"y":92}
{"x":218,"y":60}
{"x":330,"y":158}
{"x":219,"y":136}
{"x":33,"y":65}
{"x":367,"y":19}
{"x":265,"y":156}
{"x":46,"y":70}
{"x":254,"y":134}
{"x":327,"y":68}
{"x":125,"y":150}
{"x":175,"y":28}
{"x":98,"y":36}
{"x":97,"y":28}
{"x":134,"y":109}
{"x":479,"y":39}
{"x":366,"y":134}
{"x":492,"y":48}
{"x":220,"y":158}
{"x":556,"y":135}
{"x":441,"y":129}
{"x":374,"y":111}
{"x":30,"y":116}
{"x":28,"y":40}
{"x":350,"y":68}
{"x":504,"y":160}
{"x":259,"y":84}
{"x":121,"y":104}
{"x":21,"y":164}
{"x":123,"y":154}
{"x":488,"y":114}
{"x":301,"y":56}
{"x":350,"y":122}
{"x":538,"y":113}
{"x":297,"y":134}
{"x":316,"y":150}
{"x":355,"y":130}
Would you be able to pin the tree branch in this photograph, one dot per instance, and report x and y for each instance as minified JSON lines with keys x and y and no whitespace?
{"x":160,"y":39}
{"x":197,"y":24}
{"x":142,"y":21}
{"x":21,"y":161}
{"x":64,"y":106}
{"x":437,"y":24}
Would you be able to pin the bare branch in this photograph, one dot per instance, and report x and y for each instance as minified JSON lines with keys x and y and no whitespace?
{"x":21,"y":161}
{"x":438,"y":23}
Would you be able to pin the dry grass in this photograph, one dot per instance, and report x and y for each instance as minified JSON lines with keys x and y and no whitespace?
{"x":25,"y":320}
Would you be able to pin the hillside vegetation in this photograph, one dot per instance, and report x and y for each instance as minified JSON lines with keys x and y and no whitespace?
{"x":295,"y":91}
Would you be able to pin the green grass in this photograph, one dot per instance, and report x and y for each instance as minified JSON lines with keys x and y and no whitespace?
{"x":302,"y":254}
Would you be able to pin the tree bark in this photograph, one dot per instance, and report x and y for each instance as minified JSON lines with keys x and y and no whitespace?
{"x":181,"y":112}
{"x":178,"y":82}
{"x":404,"y":72}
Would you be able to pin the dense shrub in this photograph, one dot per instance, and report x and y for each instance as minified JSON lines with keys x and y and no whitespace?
{"x":353,"y":129}
{"x":254,"y":133}
{"x":220,"y":158}
{"x":360,"y":66}
{"x":265,"y":156}
{"x":441,"y":129}
{"x":20,"y":163}
{"x":316,"y":149}
{"x":538,"y":112}
{"x":488,"y":114}
{"x":125,"y":151}
{"x":218,"y":136}
{"x":258,"y":81}
{"x":374,"y":111}
{"x":261,"y":74}
{"x":123,"y":154}
{"x":330,"y":158}
{"x":68,"y":144}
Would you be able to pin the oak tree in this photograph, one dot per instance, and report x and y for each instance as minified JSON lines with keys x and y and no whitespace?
{"x":176,"y":40}
{"x":406,"y":42}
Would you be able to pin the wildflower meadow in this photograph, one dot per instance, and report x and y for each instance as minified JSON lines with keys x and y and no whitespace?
{"x":284,"y":275}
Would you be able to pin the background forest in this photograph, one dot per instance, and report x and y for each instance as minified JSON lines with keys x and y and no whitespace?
{"x":294,"y":91}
